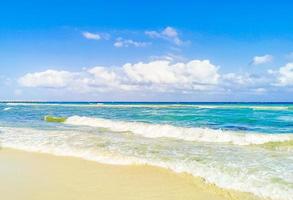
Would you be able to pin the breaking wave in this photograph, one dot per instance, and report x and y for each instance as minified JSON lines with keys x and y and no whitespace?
{"x":232,"y":167}
{"x":183,"y":133}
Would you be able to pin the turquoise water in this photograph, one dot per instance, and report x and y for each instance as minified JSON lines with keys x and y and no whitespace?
{"x":242,"y":146}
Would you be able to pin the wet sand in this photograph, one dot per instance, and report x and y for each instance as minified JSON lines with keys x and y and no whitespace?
{"x":37,"y":176}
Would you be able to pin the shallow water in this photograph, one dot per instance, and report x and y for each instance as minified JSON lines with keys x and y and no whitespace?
{"x":246,"y":147}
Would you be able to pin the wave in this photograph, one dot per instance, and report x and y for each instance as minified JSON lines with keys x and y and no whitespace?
{"x":59,"y":143}
{"x":226,"y":169}
{"x":183,"y":133}
{"x":252,"y":107}
{"x":7,"y":108}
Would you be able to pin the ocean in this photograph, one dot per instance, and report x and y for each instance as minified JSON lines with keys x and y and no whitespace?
{"x":242,"y":146}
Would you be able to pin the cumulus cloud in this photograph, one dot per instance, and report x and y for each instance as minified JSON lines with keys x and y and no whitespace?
{"x":284,"y":75}
{"x":169,"y":33}
{"x":162,"y":72}
{"x":244,"y":82}
{"x":159,"y":75}
{"x":120,"y":42}
{"x":47,"y":79}
{"x":258,"y":60}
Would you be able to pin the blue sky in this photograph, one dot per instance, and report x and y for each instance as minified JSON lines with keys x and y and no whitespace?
{"x":191,"y":51}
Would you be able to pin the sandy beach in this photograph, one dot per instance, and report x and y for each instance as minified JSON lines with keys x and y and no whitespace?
{"x":32,"y":176}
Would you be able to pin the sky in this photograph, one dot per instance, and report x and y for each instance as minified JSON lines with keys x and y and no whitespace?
{"x":94,"y":50}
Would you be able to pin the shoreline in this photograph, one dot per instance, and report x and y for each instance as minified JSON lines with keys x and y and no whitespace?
{"x":44,"y":176}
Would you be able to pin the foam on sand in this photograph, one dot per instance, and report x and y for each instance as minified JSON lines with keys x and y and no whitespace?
{"x":254,"y":170}
{"x":93,"y":181}
{"x":285,"y":145}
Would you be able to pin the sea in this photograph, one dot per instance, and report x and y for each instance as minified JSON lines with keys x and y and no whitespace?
{"x":246,"y":147}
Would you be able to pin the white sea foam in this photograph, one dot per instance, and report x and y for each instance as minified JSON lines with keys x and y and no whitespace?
{"x":7,"y":108}
{"x":236,"y":168}
{"x":60,"y":143}
{"x":183,"y":133}
{"x":252,"y":107}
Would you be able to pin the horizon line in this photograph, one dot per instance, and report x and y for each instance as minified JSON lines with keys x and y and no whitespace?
{"x":41,"y":101}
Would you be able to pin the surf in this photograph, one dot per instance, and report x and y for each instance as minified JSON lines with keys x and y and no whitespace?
{"x":184,"y":133}
{"x":228,"y":166}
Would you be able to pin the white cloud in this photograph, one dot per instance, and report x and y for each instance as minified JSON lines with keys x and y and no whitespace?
{"x":244,"y":79}
{"x":47,"y":79}
{"x":120,"y":42}
{"x":103,"y":73}
{"x":153,"y":34}
{"x":169,"y":33}
{"x":187,"y":75}
{"x":284,"y":75}
{"x":239,"y":79}
{"x":91,"y":36}
{"x":257,"y":60}
{"x":244,"y":82}
{"x":159,"y":75}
